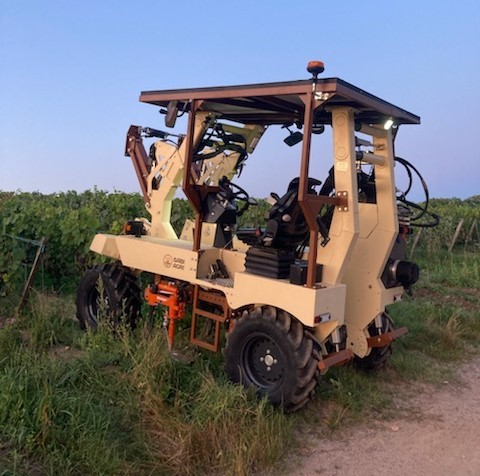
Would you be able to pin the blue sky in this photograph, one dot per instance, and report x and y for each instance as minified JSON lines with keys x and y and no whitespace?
{"x":71,"y":73}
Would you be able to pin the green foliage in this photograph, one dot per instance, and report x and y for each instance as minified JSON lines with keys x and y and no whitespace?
{"x":68,"y":220}
{"x":181,"y":211}
{"x":451,"y":211}
{"x":42,"y":413}
{"x":255,"y":215}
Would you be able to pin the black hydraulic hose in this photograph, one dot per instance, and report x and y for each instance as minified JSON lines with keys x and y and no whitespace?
{"x":402,"y":198}
{"x":410,"y":178}
{"x":423,"y":209}
{"x":433,"y":216}
{"x":219,"y":150}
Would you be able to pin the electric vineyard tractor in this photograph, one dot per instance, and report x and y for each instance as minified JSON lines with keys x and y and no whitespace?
{"x":306,"y":291}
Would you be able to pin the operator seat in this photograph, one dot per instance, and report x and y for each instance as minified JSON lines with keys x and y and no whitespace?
{"x":277,"y":249}
{"x":286,"y":227}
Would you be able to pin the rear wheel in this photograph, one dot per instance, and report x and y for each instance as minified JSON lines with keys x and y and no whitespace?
{"x":108,"y":291}
{"x":269,"y":350}
{"x":378,"y":356}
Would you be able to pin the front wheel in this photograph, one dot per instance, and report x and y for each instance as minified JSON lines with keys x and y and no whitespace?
{"x":108,"y":291}
{"x":270,"y":350}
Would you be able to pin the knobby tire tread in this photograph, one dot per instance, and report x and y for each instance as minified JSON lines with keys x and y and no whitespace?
{"x":294,"y":395}
{"x":123,"y":293}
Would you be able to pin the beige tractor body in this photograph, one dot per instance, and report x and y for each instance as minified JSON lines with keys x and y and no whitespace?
{"x":318,"y":295}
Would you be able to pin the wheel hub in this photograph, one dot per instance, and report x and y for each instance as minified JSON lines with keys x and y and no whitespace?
{"x":264,"y":361}
{"x":269,"y":360}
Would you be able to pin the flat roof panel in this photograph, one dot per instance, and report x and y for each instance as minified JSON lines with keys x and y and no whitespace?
{"x":278,"y":103}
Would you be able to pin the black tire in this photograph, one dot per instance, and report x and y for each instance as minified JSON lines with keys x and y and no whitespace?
{"x":270,"y":350}
{"x":378,"y":356}
{"x":121,"y":296}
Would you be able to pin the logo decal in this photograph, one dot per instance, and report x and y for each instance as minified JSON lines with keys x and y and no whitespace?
{"x":167,"y":261}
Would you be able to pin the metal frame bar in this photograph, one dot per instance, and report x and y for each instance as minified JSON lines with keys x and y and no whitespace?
{"x":220,"y":300}
{"x":335,"y":358}
{"x":188,"y":185}
{"x":387,"y":338}
{"x":141,"y":162}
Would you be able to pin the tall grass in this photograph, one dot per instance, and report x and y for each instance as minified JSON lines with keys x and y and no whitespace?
{"x":98,"y":403}
{"x":443,"y":317}
{"x":460,"y":269}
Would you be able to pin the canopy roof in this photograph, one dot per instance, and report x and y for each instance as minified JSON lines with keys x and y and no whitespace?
{"x":281,"y":103}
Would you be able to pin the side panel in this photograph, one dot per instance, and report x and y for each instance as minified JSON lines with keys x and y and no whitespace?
{"x":175,"y":259}
{"x":172,"y":258}
{"x":345,"y":223}
{"x":367,"y":296}
{"x":302,"y":302}
{"x":105,"y":245}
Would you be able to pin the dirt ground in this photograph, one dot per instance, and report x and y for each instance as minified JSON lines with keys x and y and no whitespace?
{"x":436,"y":433}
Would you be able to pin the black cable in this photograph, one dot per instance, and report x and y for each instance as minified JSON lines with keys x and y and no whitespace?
{"x":410,"y":176}
{"x":220,"y":149}
{"x":433,"y":216}
{"x":402,"y":198}
{"x":423,"y":209}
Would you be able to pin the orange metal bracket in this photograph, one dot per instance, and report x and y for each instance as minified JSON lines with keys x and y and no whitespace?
{"x":384,"y":339}
{"x":167,"y":295}
{"x":335,"y":358}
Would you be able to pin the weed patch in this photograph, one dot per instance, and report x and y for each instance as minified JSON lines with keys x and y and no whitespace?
{"x":120,"y":405}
